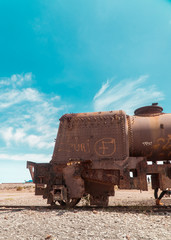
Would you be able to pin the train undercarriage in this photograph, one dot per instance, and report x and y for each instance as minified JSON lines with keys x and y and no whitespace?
{"x":66,"y":184}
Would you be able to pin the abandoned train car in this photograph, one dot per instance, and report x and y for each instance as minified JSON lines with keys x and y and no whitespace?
{"x":95,"y":151}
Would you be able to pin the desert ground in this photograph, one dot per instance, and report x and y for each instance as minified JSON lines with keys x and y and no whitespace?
{"x":131,"y":215}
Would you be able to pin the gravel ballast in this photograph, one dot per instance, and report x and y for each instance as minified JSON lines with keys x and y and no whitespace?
{"x":81,"y":223}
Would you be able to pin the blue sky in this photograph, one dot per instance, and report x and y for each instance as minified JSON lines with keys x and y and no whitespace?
{"x":63,"y":56}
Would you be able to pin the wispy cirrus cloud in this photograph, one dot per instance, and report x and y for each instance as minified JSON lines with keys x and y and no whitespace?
{"x":102,"y":89}
{"x":127,"y":95}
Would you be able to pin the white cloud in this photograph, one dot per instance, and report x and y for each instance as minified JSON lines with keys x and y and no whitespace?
{"x":29,"y":118}
{"x":16,"y":80}
{"x":102,"y":89}
{"x":55,"y":98}
{"x":20,"y":136}
{"x":4,"y":83}
{"x":26,"y":157}
{"x":15,"y":96}
{"x":7,"y":134}
{"x":126,"y":95}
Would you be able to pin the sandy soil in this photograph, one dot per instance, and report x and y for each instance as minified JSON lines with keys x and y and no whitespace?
{"x":23,"y":194}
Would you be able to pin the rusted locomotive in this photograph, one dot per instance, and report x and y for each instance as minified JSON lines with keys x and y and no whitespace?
{"x":95,"y":151}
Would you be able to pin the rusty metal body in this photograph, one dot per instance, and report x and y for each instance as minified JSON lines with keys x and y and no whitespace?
{"x":95,"y":151}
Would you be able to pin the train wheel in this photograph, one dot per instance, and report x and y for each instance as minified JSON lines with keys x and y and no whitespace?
{"x":70,"y":202}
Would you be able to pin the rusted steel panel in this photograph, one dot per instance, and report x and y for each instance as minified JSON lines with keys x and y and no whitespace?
{"x":98,"y":189}
{"x":102,"y":176}
{"x":40,"y":173}
{"x":74,"y":181}
{"x":150,"y":136}
{"x":92,"y":136}
{"x":161,"y":175}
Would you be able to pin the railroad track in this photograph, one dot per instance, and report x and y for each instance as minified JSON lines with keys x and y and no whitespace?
{"x":133,"y":209}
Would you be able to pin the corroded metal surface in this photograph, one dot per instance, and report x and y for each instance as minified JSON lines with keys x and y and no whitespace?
{"x":151,"y":137}
{"x":91,"y":136}
{"x":96,"y":151}
{"x":154,"y":109}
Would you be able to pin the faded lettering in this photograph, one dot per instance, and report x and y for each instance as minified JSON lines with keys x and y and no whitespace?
{"x":162,"y":145}
{"x":75,"y":146}
{"x":147,"y":143}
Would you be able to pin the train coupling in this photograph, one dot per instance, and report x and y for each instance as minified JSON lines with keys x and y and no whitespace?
{"x":59,"y":193}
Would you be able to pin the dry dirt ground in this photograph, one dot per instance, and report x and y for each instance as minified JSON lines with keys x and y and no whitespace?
{"x":82,"y":222}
